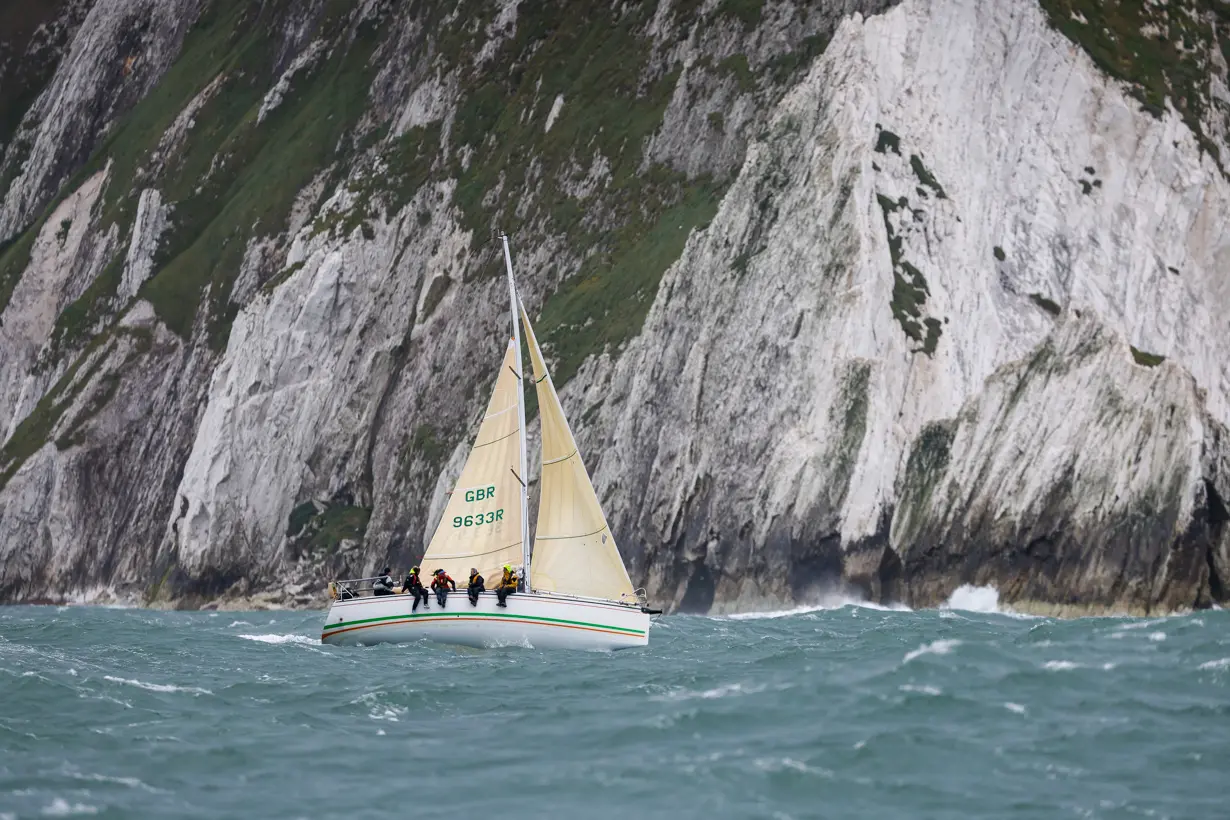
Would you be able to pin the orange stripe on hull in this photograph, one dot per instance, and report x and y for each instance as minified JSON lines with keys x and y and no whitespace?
{"x":485,"y":620}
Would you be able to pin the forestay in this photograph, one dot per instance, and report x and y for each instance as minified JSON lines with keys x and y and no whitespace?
{"x":481,"y":526}
{"x":574,"y":551}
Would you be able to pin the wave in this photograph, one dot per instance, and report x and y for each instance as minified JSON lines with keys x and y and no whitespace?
{"x":1223,"y":663}
{"x":62,"y":808}
{"x":942,"y":647}
{"x":1066,"y":666}
{"x":725,"y":690}
{"x":827,"y":605}
{"x":157,"y":687}
{"x":922,"y":690}
{"x":302,"y":640}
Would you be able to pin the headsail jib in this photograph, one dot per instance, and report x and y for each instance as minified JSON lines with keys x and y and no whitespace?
{"x":482,"y":523}
{"x":574,"y":550}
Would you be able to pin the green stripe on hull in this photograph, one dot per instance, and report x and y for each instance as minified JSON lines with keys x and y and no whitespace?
{"x":546,"y":621}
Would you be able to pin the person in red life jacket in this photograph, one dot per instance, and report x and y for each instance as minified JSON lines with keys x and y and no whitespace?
{"x":414,"y":586}
{"x":441,"y":583}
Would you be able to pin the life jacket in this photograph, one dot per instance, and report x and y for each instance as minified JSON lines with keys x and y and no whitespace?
{"x":476,"y":580}
{"x":509,"y":579}
{"x":442,"y":581}
{"x":413,"y":581}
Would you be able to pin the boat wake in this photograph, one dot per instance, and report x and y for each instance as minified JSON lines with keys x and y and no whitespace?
{"x":301,"y":640}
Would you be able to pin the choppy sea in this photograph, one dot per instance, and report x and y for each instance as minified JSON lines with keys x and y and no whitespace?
{"x":844,"y":712}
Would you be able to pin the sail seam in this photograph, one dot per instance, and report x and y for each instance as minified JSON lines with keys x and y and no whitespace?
{"x":497,"y":440}
{"x":500,"y":412}
{"x":561,"y":458}
{"x":470,"y":554}
{"x":565,"y":537}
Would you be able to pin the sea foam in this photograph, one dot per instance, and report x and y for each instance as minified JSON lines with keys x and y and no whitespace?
{"x":158,"y":687}
{"x":942,"y":647}
{"x":302,"y":640}
{"x":62,"y":808}
{"x":973,"y":599}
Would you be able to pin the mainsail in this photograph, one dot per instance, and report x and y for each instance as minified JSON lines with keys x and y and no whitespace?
{"x":574,"y":551}
{"x":482,"y":524}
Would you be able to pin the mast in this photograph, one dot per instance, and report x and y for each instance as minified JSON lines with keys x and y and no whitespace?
{"x":523,"y":477}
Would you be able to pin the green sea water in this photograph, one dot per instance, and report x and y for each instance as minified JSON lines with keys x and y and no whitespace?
{"x":849,"y":712}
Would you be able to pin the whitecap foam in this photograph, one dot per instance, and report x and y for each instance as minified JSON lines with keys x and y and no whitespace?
{"x":130,"y":782}
{"x":1015,"y":707}
{"x":781,"y":764}
{"x":826,"y":605}
{"x":922,"y":690}
{"x":238,"y":623}
{"x":1223,"y":663}
{"x":1143,"y":624}
{"x":302,"y":640}
{"x":1157,"y":637}
{"x":158,"y":687}
{"x":1060,"y":666}
{"x":723,"y":691}
{"x":62,"y":808}
{"x":942,"y":647}
{"x":783,"y":613}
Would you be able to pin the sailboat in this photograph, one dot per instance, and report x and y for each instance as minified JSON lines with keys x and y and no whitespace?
{"x":575,"y":592}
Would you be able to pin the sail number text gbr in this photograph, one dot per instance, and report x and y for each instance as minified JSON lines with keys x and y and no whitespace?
{"x":490,"y":517}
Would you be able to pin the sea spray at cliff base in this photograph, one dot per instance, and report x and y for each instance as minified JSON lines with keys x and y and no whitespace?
{"x":844,"y":712}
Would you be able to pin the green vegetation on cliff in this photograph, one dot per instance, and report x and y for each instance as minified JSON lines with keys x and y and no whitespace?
{"x":1162,"y":50}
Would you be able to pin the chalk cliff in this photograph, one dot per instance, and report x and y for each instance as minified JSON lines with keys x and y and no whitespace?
{"x":857,"y":297}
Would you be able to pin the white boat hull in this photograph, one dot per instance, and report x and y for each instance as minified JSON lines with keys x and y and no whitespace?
{"x":530,"y":619}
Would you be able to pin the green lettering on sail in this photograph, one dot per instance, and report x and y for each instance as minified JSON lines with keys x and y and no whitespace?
{"x":478,"y":518}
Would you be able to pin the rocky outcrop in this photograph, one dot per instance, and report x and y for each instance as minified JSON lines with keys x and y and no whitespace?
{"x":855,"y":296}
{"x":1085,"y":478}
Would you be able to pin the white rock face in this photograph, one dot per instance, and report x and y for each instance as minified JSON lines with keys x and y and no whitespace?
{"x":765,"y":414}
{"x":273,"y":98}
{"x":147,"y":229}
{"x":294,"y":395}
{"x":63,"y":247}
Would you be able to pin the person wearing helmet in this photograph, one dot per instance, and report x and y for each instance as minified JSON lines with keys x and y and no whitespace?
{"x":508,"y":585}
{"x":414,"y":586}
{"x":441,"y":583}
{"x":384,"y":584}
{"x":477,"y":585}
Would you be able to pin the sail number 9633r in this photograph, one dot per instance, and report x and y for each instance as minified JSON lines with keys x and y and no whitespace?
{"x":477,"y":519}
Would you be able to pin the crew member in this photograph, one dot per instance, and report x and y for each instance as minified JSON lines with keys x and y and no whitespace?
{"x":441,"y":583}
{"x":384,"y":584}
{"x":476,"y":586}
{"x":414,"y":586}
{"x":508,"y":585}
